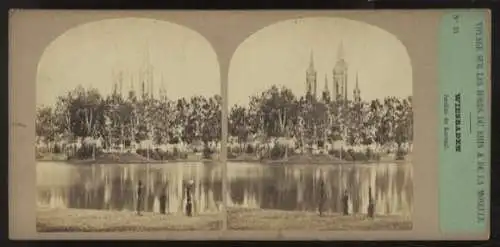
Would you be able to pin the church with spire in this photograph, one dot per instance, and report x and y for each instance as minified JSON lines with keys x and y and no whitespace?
{"x":311,"y":83}
{"x":340,"y":80}
{"x":144,"y":77}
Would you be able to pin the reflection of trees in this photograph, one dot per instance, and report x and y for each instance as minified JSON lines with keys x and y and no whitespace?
{"x":123,"y":189}
{"x":279,"y":189}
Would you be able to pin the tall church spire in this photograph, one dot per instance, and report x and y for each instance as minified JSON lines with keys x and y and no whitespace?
{"x":131,"y":93}
{"x":326,"y":83}
{"x":340,"y":52}
{"x":147,"y":72}
{"x":311,"y":62}
{"x":120,"y":83}
{"x":131,"y":80}
{"x":340,"y":72}
{"x":151,"y":81}
{"x":311,"y":84}
{"x":163,"y":93}
{"x":115,"y":85}
{"x":326,"y":97}
{"x":356,"y":91}
{"x":357,"y":81}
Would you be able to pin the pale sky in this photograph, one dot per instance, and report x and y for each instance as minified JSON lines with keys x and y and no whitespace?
{"x":279,"y":54}
{"x":88,"y":55}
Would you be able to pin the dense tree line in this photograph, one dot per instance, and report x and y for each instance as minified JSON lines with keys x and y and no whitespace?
{"x":120,"y":121}
{"x":277,"y":112}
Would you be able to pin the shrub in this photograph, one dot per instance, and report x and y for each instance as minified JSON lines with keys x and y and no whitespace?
{"x":342,"y":154}
{"x":369,"y":154}
{"x":358,"y":156}
{"x":169,"y":156}
{"x":231,"y":155}
{"x":347,"y":156}
{"x":86,"y":152}
{"x":174,"y":140}
{"x":183,"y":155}
{"x":142,"y":152}
{"x":321,"y":144}
{"x":400,"y":154}
{"x":153,"y":155}
{"x":160,"y":155}
{"x":236,"y":150}
{"x":57,"y":149}
{"x":250,"y":149}
{"x":157,"y":154}
{"x":175,"y":152}
{"x":278,"y":152}
{"x":39,"y":155}
{"x":334,"y":153}
{"x":207,"y":152}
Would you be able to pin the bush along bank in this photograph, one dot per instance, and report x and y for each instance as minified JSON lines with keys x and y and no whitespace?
{"x":281,"y":152}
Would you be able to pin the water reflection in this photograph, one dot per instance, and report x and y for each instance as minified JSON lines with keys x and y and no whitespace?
{"x":296,"y":187}
{"x":113,"y":187}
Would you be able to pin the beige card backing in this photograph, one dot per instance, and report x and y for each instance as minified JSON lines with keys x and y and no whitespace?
{"x":32,"y":31}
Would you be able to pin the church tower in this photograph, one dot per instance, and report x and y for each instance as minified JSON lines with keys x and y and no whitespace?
{"x":311,"y":85}
{"x":131,"y":93}
{"x":147,"y":75}
{"x":357,"y":92}
{"x":326,"y":92}
{"x":340,"y":76}
{"x":163,"y":91}
{"x":115,"y":84}
{"x":120,"y":84}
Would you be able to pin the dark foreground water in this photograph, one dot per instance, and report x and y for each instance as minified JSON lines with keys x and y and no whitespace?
{"x":296,"y":187}
{"x":113,"y":187}
{"x":251,"y":185}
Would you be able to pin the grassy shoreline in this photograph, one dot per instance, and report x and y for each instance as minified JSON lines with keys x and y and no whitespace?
{"x":294,"y":160}
{"x":100,"y":162}
{"x":260,"y":219}
{"x":88,"y":220}
{"x":335,"y":162}
{"x":124,"y":158}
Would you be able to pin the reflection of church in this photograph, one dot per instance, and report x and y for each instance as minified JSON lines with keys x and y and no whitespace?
{"x":340,"y":80}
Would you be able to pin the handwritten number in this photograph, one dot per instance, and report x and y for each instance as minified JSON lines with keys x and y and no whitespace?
{"x":456,"y":27}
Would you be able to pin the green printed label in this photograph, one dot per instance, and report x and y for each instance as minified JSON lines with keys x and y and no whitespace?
{"x":464,"y":184}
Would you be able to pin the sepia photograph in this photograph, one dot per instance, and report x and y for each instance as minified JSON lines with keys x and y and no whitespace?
{"x":320,"y":128}
{"x":248,"y":125}
{"x":128,"y":129}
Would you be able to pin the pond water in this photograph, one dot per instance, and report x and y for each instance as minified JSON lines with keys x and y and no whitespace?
{"x":251,"y":185}
{"x":113,"y":187}
{"x":296,"y":187}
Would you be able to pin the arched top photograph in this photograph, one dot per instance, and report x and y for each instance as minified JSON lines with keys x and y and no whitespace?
{"x":325,"y":106}
{"x":117,"y":100}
